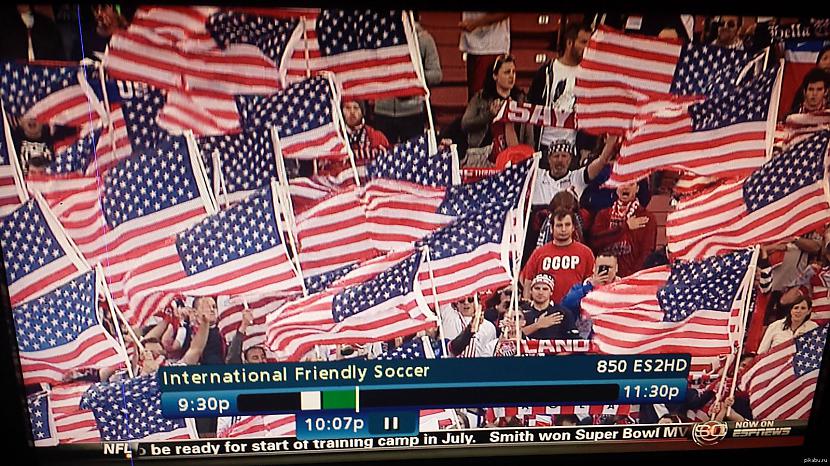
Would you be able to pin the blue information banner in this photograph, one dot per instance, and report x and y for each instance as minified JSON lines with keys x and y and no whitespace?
{"x":469,"y":372}
{"x":339,"y":424}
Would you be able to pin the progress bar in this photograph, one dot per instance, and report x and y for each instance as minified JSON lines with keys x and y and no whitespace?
{"x":448,"y":397}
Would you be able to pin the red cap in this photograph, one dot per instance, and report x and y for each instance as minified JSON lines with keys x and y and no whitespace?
{"x":514,"y":155}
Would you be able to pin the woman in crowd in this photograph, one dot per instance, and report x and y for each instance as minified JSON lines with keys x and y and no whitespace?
{"x":499,"y":86}
{"x":796,"y":323}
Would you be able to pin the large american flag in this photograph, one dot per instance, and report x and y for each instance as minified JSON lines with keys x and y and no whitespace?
{"x":307,"y":191}
{"x":131,"y":410}
{"x":782,"y":199}
{"x":467,"y":256}
{"x":61,"y":330}
{"x":12,"y":191}
{"x":73,"y":424}
{"x":270,"y":426}
{"x":171,"y":49}
{"x":42,"y":420}
{"x":50,"y":93}
{"x":688,"y":308}
{"x":619,"y":71}
{"x":304,"y":115}
{"x":230,"y":316}
{"x":239,"y":250}
{"x":37,"y":255}
{"x":381,"y":308}
{"x":725,"y":135}
{"x":268,"y":33}
{"x":781,"y":382}
{"x":371,"y":52}
{"x":146,"y":199}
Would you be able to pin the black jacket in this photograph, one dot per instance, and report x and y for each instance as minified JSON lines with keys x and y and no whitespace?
{"x":46,"y":39}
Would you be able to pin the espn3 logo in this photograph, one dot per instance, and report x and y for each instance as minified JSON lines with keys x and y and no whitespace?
{"x":709,"y":433}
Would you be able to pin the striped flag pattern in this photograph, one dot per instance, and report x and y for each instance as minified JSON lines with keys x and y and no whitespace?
{"x":270,"y":426}
{"x":370,"y":51}
{"x":689,"y":308}
{"x":12,"y":192}
{"x":73,"y":424}
{"x":723,"y":136}
{"x":782,"y":199}
{"x":143,"y":421}
{"x":620,"y":71}
{"x":42,"y":420}
{"x":60,"y":331}
{"x":781,"y":383}
{"x":37,"y":255}
{"x":239,"y":250}
{"x":380,"y":308}
{"x":171,"y":49}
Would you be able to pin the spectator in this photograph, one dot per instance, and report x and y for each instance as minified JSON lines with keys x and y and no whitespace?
{"x":215,"y":348}
{"x":29,"y":35}
{"x":559,"y":177}
{"x":738,"y":402}
{"x":35,"y":141}
{"x":544,"y":320}
{"x":796,"y":323}
{"x":155,"y":355}
{"x":670,"y":419}
{"x":364,"y":139}
{"x":403,"y":118}
{"x":563,"y":259}
{"x":484,"y":36}
{"x":553,"y":85}
{"x":460,"y":326}
{"x":605,"y":272}
{"x":728,"y":36}
{"x":596,"y":198}
{"x":791,"y":259}
{"x":252,"y":355}
{"x":496,"y":307}
{"x":485,"y":104}
{"x":108,"y":21}
{"x":823,"y":59}
{"x":563,"y":200}
{"x":812,"y":94}
{"x":626,"y":230}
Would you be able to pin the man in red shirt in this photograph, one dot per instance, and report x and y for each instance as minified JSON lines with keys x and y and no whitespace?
{"x":566,"y":260}
{"x":626,"y":230}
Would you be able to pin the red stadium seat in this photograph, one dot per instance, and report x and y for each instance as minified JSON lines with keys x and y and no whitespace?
{"x":528,"y":61}
{"x":535,"y":23}
{"x":451,"y":57}
{"x":453,"y":97}
{"x":448,"y":37}
{"x":443,"y":19}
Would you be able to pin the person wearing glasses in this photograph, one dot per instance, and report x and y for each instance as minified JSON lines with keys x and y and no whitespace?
{"x":463,"y":326}
{"x":728,"y":33}
{"x":476,"y":123}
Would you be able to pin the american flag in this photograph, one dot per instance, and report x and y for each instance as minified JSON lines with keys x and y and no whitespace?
{"x":50,"y":93}
{"x":36,"y":253}
{"x":12,"y":192}
{"x":415,"y":348}
{"x":307,"y":191}
{"x":411,"y":161}
{"x":42,"y":421}
{"x":131,"y":410}
{"x":618,"y":71}
{"x":270,"y":426}
{"x":304,"y":115}
{"x":723,"y":136}
{"x":821,"y":305}
{"x":61,"y":330}
{"x":334,"y":233}
{"x":73,"y":424}
{"x":370,"y":51}
{"x":171,"y":49}
{"x":146,"y":199}
{"x":782,"y":199}
{"x":230,"y":316}
{"x":386,"y":306}
{"x":691,"y":308}
{"x":781,"y":383}
{"x":467,"y":256}
{"x":246,"y":160}
{"x":239,"y":250}
{"x":436,"y":419}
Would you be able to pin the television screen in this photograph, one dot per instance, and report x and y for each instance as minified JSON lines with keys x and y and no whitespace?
{"x":300,"y":234}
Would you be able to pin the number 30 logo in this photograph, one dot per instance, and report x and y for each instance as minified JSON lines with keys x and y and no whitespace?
{"x":709,"y":433}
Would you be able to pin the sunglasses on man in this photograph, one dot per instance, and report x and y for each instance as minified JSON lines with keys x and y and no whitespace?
{"x":727,"y":24}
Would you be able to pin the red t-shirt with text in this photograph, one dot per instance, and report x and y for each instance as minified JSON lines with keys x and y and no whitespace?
{"x":568,"y":265}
